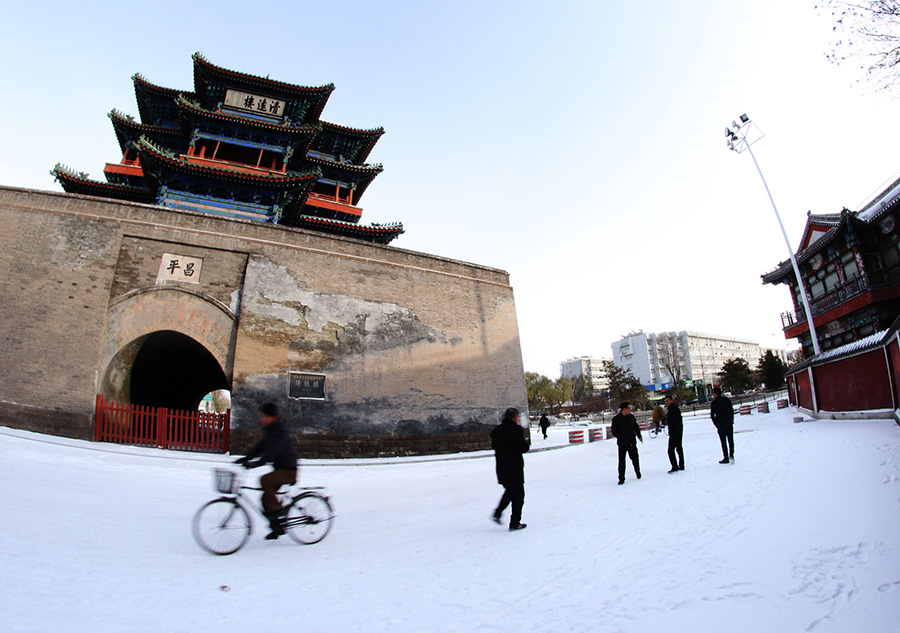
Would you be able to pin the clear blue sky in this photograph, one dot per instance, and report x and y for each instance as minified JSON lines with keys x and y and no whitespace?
{"x":577,"y":145}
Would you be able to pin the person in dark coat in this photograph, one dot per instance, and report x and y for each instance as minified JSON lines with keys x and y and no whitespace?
{"x":544,"y":424}
{"x":722,"y":413}
{"x":509,"y":443}
{"x":275,"y":447}
{"x":676,"y":433}
{"x":659,"y":416}
{"x":626,"y":431}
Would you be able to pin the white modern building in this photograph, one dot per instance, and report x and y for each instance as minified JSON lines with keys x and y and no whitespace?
{"x":586,"y":366}
{"x":695,"y":355}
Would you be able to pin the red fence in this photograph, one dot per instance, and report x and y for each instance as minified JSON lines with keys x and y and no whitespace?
{"x":162,"y":428}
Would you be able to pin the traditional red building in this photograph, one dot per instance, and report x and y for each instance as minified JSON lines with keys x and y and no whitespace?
{"x":244,"y":147}
{"x":850,"y":264}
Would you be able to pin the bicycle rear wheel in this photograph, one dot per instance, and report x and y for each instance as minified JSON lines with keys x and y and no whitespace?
{"x":221,"y":526}
{"x":309,"y":518}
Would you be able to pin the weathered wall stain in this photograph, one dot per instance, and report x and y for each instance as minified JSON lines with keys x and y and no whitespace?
{"x":360,"y":324}
{"x":78,"y":242}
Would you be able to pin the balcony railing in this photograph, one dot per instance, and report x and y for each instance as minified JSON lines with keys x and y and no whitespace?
{"x":845,"y":292}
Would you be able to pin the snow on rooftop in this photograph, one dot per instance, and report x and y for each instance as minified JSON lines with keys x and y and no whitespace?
{"x":881,"y":202}
{"x":851,"y":348}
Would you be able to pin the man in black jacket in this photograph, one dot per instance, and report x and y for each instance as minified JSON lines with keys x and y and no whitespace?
{"x":544,"y":424}
{"x":509,"y":443}
{"x":276,"y":447}
{"x":676,"y":433}
{"x":722,"y":413}
{"x":626,"y":431}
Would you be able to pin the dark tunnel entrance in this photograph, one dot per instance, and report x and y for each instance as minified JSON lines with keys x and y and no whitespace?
{"x":174,"y":371}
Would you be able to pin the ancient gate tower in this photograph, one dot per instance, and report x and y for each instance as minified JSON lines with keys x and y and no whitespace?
{"x":225,"y":251}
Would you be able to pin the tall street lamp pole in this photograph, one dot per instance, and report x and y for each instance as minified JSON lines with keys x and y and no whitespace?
{"x":736,"y":136}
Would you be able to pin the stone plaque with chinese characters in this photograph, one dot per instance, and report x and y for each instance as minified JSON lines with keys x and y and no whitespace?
{"x":306,"y":386}
{"x":179,"y":268}
{"x":257,"y":104}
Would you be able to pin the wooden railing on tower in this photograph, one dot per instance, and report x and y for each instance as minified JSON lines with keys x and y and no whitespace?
{"x":160,"y":427}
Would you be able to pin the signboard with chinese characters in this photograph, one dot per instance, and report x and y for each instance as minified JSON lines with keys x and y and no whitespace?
{"x":306,"y":386}
{"x":179,"y":268}
{"x":257,"y":104}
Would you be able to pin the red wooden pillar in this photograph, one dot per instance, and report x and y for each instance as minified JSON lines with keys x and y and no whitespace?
{"x":115,"y":424}
{"x":226,"y":435}
{"x":162,"y":423}
{"x":98,"y":418}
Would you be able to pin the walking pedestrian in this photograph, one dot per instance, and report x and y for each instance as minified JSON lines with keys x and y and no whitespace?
{"x":544,"y":424}
{"x":722,"y":413}
{"x":676,"y":433}
{"x":509,"y":443}
{"x":626,"y":431}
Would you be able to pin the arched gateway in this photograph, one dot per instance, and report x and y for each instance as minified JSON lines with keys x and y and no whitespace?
{"x":167,"y":347}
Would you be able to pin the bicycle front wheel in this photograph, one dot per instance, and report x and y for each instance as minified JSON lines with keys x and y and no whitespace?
{"x":309,"y":518}
{"x":221,"y":526}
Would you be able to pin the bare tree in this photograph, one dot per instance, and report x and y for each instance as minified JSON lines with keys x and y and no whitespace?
{"x":623,"y":386}
{"x":671,"y":355}
{"x":582,"y":388}
{"x":869,"y":31}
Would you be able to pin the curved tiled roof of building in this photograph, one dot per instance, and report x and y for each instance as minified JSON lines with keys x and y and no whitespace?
{"x":193,"y":108}
{"x":155,"y":153}
{"x":324,"y":160}
{"x":879,"y":205}
{"x":79,"y":182}
{"x":153,"y":88}
{"x":835,"y":223}
{"x":380,"y":233}
{"x":850,"y":349}
{"x":200,"y":62}
{"x":123,"y":121}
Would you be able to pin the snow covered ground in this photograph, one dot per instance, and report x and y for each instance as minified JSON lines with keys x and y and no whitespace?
{"x":801,"y":534}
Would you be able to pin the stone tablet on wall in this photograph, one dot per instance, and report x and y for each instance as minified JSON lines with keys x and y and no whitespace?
{"x":306,"y":386}
{"x":179,"y":268}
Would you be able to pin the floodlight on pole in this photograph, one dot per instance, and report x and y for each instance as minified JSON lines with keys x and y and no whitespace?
{"x":736,"y":137}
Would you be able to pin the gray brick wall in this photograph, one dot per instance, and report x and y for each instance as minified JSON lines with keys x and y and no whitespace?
{"x":409,"y":342}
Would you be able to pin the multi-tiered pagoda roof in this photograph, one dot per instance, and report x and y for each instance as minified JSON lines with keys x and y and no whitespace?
{"x":244,"y":147}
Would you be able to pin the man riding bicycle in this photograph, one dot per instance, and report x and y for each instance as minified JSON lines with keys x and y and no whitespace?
{"x":276,"y":447}
{"x":659,"y":419}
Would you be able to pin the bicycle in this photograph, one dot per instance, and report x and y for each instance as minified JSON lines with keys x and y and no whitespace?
{"x":658,"y":427}
{"x":222,"y":526}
